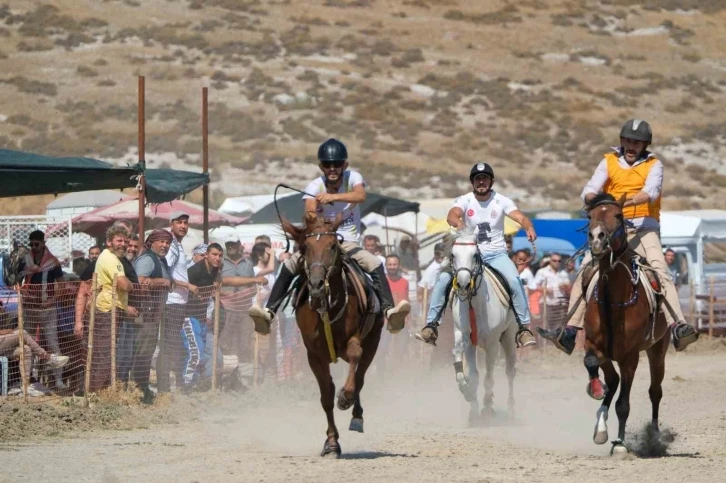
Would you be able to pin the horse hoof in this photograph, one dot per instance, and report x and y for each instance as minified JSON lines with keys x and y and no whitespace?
{"x":511,"y":413}
{"x":487,"y":413}
{"x":596,"y":389}
{"x":331,"y":450}
{"x":356,"y":424}
{"x":600,"y":436}
{"x":618,"y":450}
{"x":343,"y":403}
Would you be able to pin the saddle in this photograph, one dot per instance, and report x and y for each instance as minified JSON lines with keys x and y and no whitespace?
{"x":356,"y":278}
{"x":647,"y":277}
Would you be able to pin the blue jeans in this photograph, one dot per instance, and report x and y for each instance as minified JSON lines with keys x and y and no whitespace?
{"x":498,"y":261}
{"x":125,"y":349}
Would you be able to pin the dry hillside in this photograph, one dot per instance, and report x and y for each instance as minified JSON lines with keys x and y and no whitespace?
{"x":418,"y":89}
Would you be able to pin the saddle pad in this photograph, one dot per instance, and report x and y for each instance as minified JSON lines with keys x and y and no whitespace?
{"x":498,"y":287}
{"x":642,"y":277}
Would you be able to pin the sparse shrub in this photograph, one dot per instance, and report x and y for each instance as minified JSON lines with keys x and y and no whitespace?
{"x":85,"y":71}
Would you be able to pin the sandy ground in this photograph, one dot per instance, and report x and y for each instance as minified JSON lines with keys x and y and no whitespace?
{"x":416,"y":431}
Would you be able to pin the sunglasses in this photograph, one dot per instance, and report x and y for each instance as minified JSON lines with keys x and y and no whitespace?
{"x":335,"y":165}
{"x":36,"y":244}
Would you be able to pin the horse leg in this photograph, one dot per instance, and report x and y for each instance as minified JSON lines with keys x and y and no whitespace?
{"x":470,"y":389}
{"x":595,"y":388}
{"x":346,"y":395}
{"x":622,"y":406}
{"x":509,"y":345}
{"x":321,"y":369}
{"x":600,"y":436}
{"x":491,"y":358}
{"x":462,"y":343}
{"x":369,"y":348}
{"x":656,"y":358}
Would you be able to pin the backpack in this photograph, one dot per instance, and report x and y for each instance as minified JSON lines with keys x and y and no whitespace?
{"x":13,"y":265}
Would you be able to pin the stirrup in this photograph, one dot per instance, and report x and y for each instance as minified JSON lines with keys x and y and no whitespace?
{"x":259,"y":317}
{"x":522,"y":332}
{"x":681,"y":342}
{"x":428,"y":334}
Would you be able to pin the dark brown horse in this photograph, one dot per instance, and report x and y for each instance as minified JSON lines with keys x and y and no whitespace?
{"x":331,"y":299}
{"x":618,"y":324}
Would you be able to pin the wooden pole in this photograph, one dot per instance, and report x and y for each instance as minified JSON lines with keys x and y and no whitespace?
{"x":424,"y":312}
{"x":692,"y":305}
{"x":216,"y":338}
{"x":205,"y":159}
{"x":114,"y":300}
{"x":142,"y":158}
{"x":21,"y":334}
{"x":415,"y":248}
{"x":544,"y":308}
{"x":711,"y":304}
{"x":385,"y":217}
{"x":256,"y":352}
{"x":91,"y":324}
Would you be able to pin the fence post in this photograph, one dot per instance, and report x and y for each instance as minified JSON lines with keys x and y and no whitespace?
{"x":21,"y":334}
{"x":692,"y":305}
{"x":424,"y":315}
{"x":114,"y":300}
{"x":91,"y":323}
{"x":216,"y":338}
{"x":711,"y":303}
{"x":256,"y":350}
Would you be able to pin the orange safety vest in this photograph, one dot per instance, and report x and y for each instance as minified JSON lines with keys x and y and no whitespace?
{"x":628,"y":182}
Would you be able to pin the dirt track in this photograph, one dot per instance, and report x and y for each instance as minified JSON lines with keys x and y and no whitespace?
{"x":415,"y":431}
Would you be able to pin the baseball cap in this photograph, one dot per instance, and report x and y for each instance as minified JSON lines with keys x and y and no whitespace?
{"x":177,"y":214}
{"x":232,"y":238}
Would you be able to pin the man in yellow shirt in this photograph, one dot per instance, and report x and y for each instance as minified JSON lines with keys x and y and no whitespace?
{"x":108,"y":266}
{"x":635,"y":172}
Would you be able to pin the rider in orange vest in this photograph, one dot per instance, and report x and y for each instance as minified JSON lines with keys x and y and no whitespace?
{"x":635,"y":172}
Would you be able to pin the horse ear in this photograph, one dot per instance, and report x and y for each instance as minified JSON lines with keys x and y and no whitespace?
{"x":336,"y":222}
{"x":294,"y":232}
{"x":621,"y":201}
{"x":310,"y":219}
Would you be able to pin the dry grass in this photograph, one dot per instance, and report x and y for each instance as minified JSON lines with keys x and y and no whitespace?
{"x":490,"y":81}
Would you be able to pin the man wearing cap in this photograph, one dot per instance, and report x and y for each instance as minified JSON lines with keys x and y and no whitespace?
{"x":339,"y":192}
{"x":485,"y":209}
{"x":632,"y":171}
{"x":171,"y":354}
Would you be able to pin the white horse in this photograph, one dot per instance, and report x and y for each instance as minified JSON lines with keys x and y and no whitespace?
{"x":495,"y":325}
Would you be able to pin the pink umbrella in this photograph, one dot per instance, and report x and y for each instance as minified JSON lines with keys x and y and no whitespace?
{"x":96,"y":222}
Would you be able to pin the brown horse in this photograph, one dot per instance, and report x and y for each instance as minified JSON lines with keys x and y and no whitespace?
{"x":332,"y":300}
{"x":618,"y":323}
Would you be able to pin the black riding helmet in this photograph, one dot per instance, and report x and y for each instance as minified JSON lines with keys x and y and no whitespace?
{"x":637,"y":130}
{"x":332,"y":151}
{"x":481,"y":168}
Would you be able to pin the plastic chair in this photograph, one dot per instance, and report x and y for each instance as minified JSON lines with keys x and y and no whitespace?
{"x":4,"y":365}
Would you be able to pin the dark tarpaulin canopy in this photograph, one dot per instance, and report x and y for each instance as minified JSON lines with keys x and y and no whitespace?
{"x":292,"y":207}
{"x":26,"y":174}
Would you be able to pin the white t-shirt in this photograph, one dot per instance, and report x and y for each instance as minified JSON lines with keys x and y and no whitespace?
{"x":526,"y":276}
{"x":428,"y":278}
{"x":177,"y":261}
{"x":350,"y":226}
{"x":265,"y":289}
{"x":554,"y":279}
{"x":489,"y":217}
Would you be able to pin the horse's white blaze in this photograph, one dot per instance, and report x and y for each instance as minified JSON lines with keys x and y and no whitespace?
{"x":596,"y":242}
{"x":601,"y":426}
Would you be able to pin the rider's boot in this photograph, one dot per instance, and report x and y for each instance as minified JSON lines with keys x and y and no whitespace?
{"x":563,"y":338}
{"x":683,"y":335}
{"x":429,"y":333}
{"x":396,"y":315}
{"x":263,"y":317}
{"x":524,"y":337}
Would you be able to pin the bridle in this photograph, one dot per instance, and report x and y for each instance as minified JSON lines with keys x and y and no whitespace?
{"x":616,"y":241}
{"x":326,"y":301}
{"x":475,"y":275}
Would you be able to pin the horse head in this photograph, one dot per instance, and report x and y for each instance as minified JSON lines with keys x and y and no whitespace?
{"x":607,"y":227}
{"x":465,"y":258}
{"x":320,"y":247}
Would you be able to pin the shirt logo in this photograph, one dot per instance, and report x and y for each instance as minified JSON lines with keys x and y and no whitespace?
{"x":470,"y":213}
{"x":494,"y":214}
{"x":480,"y":167}
{"x":119,"y":268}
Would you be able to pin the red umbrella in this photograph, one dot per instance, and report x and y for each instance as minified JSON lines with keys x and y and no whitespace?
{"x":96,"y":222}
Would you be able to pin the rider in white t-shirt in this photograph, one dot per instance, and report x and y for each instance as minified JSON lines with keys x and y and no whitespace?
{"x":485,"y":208}
{"x":345,"y":189}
